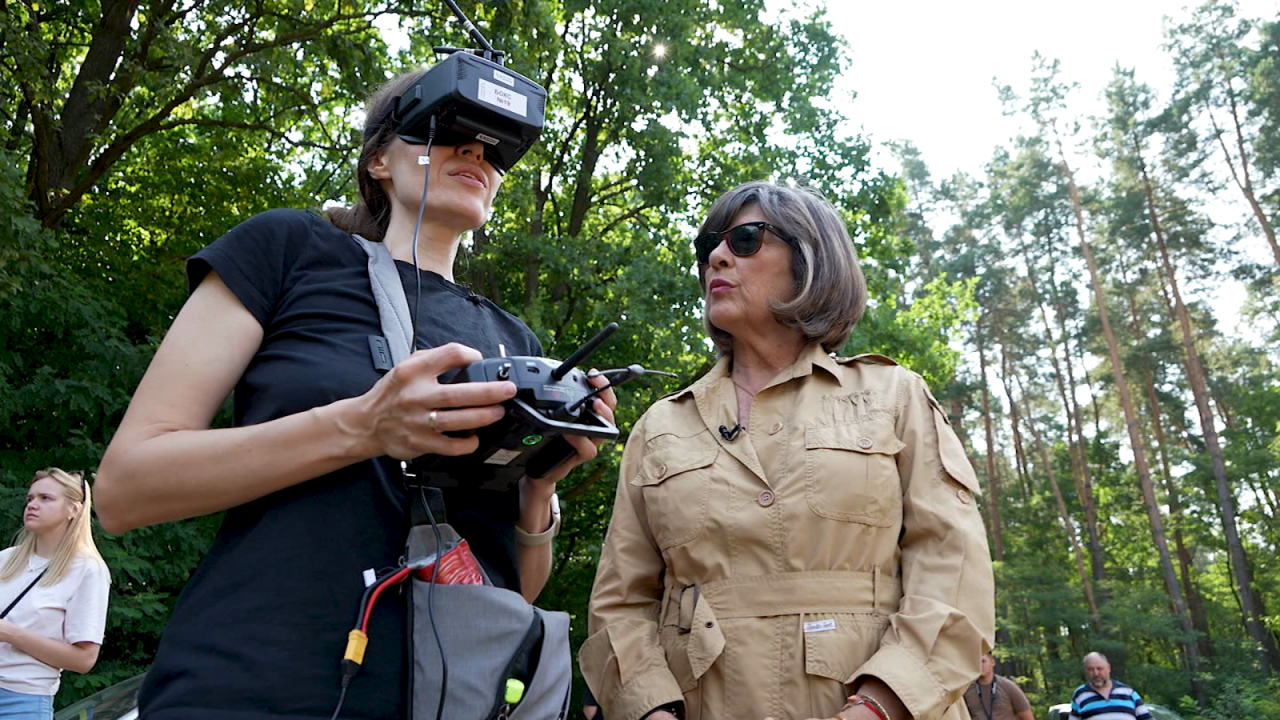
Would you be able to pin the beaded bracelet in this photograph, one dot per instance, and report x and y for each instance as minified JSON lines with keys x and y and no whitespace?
{"x":871,"y":703}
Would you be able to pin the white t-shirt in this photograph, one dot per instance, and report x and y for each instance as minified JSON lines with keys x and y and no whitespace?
{"x":72,"y":610}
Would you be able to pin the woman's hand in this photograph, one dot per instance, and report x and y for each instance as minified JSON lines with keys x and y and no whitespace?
{"x":584,"y":448}
{"x":9,"y":632}
{"x":408,"y":411}
{"x":535,"y":496}
{"x":856,"y":712}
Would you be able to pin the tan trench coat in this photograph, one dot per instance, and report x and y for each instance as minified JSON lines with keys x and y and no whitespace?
{"x":837,"y":538}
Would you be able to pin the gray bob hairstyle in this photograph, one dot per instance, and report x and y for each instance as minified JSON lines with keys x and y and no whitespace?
{"x":830,"y":291}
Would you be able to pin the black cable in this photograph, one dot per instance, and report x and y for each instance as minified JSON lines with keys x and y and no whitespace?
{"x":431,"y":602}
{"x":342,"y":696}
{"x":422,"y":206}
{"x":350,"y":669}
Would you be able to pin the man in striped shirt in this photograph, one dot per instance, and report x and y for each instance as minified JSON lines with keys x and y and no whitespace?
{"x":1102,"y":698}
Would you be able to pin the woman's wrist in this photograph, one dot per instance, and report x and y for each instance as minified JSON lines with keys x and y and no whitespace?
{"x":864,"y":707}
{"x":535,"y":506}
{"x":874,"y":696}
{"x":855,"y":712}
{"x":352,"y":422}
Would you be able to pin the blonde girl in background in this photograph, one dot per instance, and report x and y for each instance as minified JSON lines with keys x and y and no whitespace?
{"x":53,"y":592}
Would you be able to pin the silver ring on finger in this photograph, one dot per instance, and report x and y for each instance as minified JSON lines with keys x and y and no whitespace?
{"x":433,"y":420}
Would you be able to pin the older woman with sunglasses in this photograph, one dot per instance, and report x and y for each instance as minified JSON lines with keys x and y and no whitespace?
{"x":795,"y":535}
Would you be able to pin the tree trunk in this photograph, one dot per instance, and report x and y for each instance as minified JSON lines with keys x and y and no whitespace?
{"x":1087,"y":501}
{"x":1270,"y":654}
{"x":1079,"y":456}
{"x":1189,"y":649}
{"x":1194,"y":602}
{"x":1024,"y":481}
{"x":1242,"y":177}
{"x":1076,"y":551}
{"x":993,"y":482}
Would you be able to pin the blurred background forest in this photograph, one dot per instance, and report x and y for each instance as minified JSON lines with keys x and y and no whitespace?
{"x":1129,"y":448}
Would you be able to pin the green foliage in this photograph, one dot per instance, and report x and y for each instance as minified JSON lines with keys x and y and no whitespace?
{"x":67,"y":369}
{"x":1264,"y":89}
{"x":1237,"y":697}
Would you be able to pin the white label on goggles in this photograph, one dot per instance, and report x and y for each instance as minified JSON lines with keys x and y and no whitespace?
{"x":487,"y":139}
{"x":503,"y":98}
{"x":504,"y":78}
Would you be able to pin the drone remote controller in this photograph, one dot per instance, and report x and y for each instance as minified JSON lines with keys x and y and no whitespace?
{"x":553,"y":399}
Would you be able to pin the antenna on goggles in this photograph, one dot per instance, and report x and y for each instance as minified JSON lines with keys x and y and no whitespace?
{"x":486,"y":50}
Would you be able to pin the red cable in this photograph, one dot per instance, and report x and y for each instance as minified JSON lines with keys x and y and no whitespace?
{"x":393,"y":579}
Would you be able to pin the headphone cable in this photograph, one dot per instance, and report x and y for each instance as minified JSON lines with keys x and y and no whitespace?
{"x":425,"y":161}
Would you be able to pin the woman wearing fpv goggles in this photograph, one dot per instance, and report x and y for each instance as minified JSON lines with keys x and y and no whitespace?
{"x":282,"y":311}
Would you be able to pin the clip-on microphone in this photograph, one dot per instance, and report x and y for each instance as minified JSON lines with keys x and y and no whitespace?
{"x":730,"y":434}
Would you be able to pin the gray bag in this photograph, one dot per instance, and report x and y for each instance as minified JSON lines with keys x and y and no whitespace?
{"x":489,"y":635}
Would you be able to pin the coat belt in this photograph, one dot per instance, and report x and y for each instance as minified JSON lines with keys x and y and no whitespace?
{"x":794,"y":593}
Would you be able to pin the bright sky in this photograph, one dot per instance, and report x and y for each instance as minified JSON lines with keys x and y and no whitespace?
{"x":923,"y":69}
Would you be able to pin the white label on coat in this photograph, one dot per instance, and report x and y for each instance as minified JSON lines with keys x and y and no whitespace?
{"x":819,"y":626}
{"x":504,"y":98}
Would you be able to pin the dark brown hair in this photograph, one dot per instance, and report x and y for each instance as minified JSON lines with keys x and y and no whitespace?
{"x":370,"y":217}
{"x":830,"y":291}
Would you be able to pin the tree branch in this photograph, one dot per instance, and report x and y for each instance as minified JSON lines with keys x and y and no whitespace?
{"x":625,"y":217}
{"x":79,"y":112}
{"x":597,"y":472}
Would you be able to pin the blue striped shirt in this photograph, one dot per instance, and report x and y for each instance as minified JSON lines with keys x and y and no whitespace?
{"x":1123,"y":703}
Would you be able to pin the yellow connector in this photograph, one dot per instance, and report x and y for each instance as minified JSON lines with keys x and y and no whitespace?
{"x":515,"y":691}
{"x":356,"y":643}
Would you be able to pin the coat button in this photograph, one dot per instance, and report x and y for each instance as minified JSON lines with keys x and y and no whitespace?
{"x":765,"y":499}
{"x":773,"y":429}
{"x":865,"y":443}
{"x":662,"y":470}
{"x":964,"y":496}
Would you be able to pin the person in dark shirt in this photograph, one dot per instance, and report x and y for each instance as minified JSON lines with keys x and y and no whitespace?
{"x":281,"y":311}
{"x":995,"y":697}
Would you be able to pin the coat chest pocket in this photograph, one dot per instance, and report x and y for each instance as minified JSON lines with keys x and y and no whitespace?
{"x":675,"y":480}
{"x":851,"y":473}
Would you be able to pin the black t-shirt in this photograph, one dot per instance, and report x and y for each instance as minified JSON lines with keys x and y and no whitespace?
{"x":260,"y":630}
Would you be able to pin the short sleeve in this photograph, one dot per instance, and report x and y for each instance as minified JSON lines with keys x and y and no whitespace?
{"x":86,"y":618}
{"x":254,"y":258}
{"x":1018,"y":698}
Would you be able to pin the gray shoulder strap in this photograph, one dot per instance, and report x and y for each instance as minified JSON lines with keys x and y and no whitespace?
{"x":388,"y":292}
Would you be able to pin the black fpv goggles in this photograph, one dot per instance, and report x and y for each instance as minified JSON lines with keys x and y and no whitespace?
{"x":472,"y":99}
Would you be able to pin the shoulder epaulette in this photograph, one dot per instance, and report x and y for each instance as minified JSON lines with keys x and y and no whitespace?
{"x":872,"y":358}
{"x":672,"y":395}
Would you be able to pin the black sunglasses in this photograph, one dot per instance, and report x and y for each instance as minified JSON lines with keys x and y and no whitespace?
{"x":743,"y":240}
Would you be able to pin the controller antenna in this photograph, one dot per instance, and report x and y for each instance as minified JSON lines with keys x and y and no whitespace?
{"x":581,"y":353}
